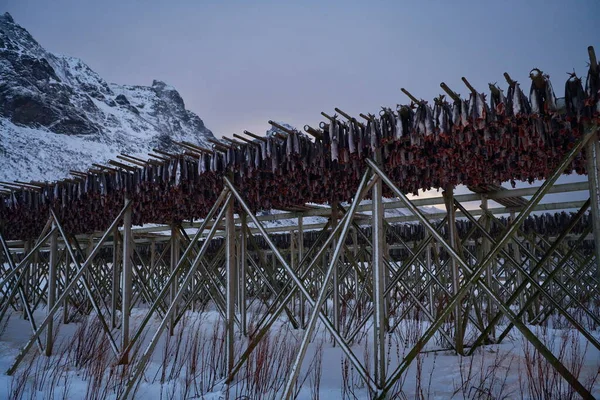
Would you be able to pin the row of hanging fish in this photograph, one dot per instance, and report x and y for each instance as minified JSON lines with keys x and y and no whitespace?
{"x":421,"y":146}
{"x":543,"y":224}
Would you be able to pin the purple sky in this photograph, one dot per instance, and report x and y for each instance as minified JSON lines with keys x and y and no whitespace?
{"x":239,"y":64}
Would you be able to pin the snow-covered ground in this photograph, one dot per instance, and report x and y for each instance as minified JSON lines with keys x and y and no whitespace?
{"x":190,"y":364}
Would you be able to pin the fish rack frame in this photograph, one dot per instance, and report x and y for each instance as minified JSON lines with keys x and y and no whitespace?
{"x":71,"y":244}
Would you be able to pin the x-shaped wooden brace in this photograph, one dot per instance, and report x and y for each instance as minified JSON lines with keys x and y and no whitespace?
{"x":473,"y":275}
{"x":79,"y":275}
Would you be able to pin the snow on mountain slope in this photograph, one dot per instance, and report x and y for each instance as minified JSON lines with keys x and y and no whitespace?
{"x":57,"y":114}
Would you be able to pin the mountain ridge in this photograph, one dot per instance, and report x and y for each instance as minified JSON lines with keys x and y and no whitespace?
{"x":57,"y":114}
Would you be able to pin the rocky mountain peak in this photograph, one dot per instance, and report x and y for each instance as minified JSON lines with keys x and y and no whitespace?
{"x":168,"y":93}
{"x":7,"y":17}
{"x":57,"y":106}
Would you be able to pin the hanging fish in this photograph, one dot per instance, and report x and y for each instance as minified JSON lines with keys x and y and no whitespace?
{"x":257,"y":157}
{"x":274,"y":160}
{"x":213,"y":161}
{"x":289,"y":145}
{"x":456,"y":112}
{"x":177,"y":172}
{"x":296,"y":143}
{"x":118,"y":178}
{"x":171,"y":173}
{"x":230,"y":154}
{"x":247,"y":152}
{"x":405,"y":121}
{"x":220,"y":162}
{"x":136,"y":181}
{"x":269,"y":146}
{"x":423,"y":123}
{"x":202,"y":164}
{"x":343,"y":142}
{"x":574,"y":96}
{"x":361,"y":141}
{"x":351,"y":143}
{"x":550,"y":97}
{"x":102,"y":185}
{"x":497,"y":102}
{"x":374,"y":132}
{"x":399,"y":126}
{"x":334,"y":135}
{"x":592,"y":88}
{"x":541,"y":95}
{"x":387,"y":123}
{"x":392,"y":123}
{"x":464,"y":113}
{"x":263,"y":149}
{"x":442,"y":117}
{"x":517,"y":102}
{"x":478,"y":110}
{"x":185,"y":171}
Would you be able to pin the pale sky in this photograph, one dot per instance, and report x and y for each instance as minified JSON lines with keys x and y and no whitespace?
{"x":238,"y":64}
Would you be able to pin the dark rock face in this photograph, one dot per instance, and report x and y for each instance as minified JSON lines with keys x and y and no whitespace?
{"x":122,"y":100}
{"x":59,"y":94}
{"x":32,"y":93}
{"x":9,"y":17}
{"x":24,"y":110}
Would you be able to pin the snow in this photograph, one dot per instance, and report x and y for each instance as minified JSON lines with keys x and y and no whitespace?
{"x":45,"y":155}
{"x":495,"y":369}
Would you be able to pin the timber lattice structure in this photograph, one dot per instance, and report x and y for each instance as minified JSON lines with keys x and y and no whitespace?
{"x":71,"y":245}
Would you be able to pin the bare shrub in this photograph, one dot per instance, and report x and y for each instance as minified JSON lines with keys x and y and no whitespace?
{"x":352,"y":382}
{"x":193,"y":361}
{"x":265,"y":372}
{"x":541,"y":380}
{"x":316,"y":371}
{"x":18,"y":382}
{"x":482,"y":378}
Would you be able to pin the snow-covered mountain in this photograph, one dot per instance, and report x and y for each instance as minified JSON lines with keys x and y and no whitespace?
{"x":57,"y":114}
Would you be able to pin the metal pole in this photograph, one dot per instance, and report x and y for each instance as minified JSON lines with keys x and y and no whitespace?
{"x":115,"y":278}
{"x":52,"y":289}
{"x":173,"y":265}
{"x":88,"y":272}
{"x":67,"y":282}
{"x":428,"y":250}
{"x":379,"y":327}
{"x":356,"y":277}
{"x":592,"y":153}
{"x":452,"y":240}
{"x":485,"y":248}
{"x":127,"y":284}
{"x":32,"y":268}
{"x":26,"y":272}
{"x":300,"y":257}
{"x":150,"y":271}
{"x":293,"y":262}
{"x":336,"y":283}
{"x":242,"y":275}
{"x":230,"y":271}
{"x":518,"y":258}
